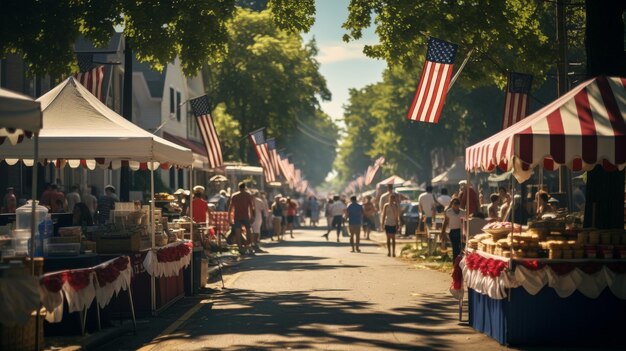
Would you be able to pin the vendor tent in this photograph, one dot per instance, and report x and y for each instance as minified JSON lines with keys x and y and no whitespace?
{"x":78,"y":127}
{"x":585,"y":127}
{"x":452,"y":175}
{"x":19,"y":115}
{"x":394,"y":180}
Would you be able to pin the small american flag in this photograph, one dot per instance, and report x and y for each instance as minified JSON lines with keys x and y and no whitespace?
{"x":260,"y":146}
{"x":516,"y":103}
{"x":202,"y":111}
{"x":433,"y":86}
{"x":271,"y":146}
{"x":371,"y":170}
{"x":90,"y":75}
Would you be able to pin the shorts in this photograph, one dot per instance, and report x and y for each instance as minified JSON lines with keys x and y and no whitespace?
{"x":355,"y":229}
{"x":291,"y":219}
{"x":368,"y":223}
{"x":391,"y":229}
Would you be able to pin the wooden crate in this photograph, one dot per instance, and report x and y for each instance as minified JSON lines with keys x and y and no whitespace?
{"x":118,"y":244}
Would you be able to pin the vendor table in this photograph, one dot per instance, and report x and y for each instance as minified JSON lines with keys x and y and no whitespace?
{"x":547,"y":319}
{"x":71,"y":324}
{"x":168,"y":289}
{"x":559,"y":302}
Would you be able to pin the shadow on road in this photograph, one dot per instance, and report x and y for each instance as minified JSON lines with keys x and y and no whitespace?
{"x":310,"y":319}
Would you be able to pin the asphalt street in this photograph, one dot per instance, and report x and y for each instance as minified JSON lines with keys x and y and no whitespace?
{"x":307,"y":293}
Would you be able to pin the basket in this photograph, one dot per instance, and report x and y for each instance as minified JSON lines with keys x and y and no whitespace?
{"x":22,"y":337}
{"x":499,"y":233}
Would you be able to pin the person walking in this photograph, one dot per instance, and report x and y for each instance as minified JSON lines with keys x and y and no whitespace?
{"x":454,"y":221}
{"x":390,"y":218}
{"x":354,"y":215}
{"x":427,"y":206}
{"x":241,"y":209}
{"x":277,"y":218}
{"x":260,"y":209}
{"x":314,"y":207}
{"x":329,"y":217}
{"x":369,"y":216}
{"x":292,"y":212}
{"x":337,"y":210}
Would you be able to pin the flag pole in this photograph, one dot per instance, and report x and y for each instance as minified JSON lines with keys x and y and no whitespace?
{"x":456,"y":75}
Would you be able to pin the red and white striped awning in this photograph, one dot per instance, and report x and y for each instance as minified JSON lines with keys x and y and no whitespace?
{"x":583,"y":128}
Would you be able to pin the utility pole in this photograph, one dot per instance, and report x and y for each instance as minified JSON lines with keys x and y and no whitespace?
{"x":127,"y":112}
{"x":565,"y":184}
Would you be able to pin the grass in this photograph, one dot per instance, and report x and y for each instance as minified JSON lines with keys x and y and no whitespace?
{"x":418,"y":253}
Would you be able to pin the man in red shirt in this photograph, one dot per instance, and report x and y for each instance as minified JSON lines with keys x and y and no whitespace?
{"x":200,"y":206}
{"x":466,"y":191}
{"x":241,"y":210}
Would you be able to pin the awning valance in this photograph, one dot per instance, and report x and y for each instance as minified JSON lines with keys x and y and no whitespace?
{"x":583,"y":128}
{"x":77,"y":126}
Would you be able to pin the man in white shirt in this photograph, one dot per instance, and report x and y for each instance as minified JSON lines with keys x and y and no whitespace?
{"x":427,"y":205}
{"x":337,"y":210}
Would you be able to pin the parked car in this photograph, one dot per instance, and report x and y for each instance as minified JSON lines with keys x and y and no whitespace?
{"x":410,"y":217}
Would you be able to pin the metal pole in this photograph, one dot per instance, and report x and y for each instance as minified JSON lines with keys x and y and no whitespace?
{"x":152,"y":238}
{"x":191,"y":236}
{"x":33,"y":228}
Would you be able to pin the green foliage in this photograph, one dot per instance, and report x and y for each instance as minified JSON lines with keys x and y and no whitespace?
{"x":514,"y":35}
{"x":505,"y":34}
{"x":270,"y":79}
{"x":45,"y":31}
{"x":228,"y":130}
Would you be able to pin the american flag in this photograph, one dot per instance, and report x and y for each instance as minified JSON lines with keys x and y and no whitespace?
{"x":516,"y":103}
{"x":90,"y":75}
{"x":202,"y":111}
{"x":371,"y":170}
{"x":285,"y":166}
{"x":433,"y":86}
{"x":260,"y":146}
{"x":271,"y":146}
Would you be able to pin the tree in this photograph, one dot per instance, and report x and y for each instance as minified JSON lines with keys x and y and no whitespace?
{"x":505,"y":34}
{"x":44,"y":32}
{"x":270,"y":79}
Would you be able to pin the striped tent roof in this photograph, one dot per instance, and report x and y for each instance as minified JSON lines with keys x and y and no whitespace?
{"x":583,"y":128}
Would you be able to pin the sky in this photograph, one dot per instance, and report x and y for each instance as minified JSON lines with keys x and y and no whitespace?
{"x":342,"y":64}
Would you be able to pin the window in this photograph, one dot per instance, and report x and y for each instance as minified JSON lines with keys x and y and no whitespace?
{"x":178,"y":106}
{"x":172,"y":101}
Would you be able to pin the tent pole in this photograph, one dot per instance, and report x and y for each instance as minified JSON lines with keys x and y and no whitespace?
{"x":152,"y":234}
{"x":33,"y":190}
{"x":191,"y":236}
{"x":467,"y":203}
{"x":33,"y":228}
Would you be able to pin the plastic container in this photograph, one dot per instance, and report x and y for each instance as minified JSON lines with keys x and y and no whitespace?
{"x":43,"y":225}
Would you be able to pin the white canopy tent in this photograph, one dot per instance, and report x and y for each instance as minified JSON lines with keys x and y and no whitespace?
{"x":19,"y":115}
{"x":78,"y":127}
{"x":452,"y":175}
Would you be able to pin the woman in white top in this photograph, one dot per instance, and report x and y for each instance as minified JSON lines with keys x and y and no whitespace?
{"x":454,"y":221}
{"x":391,"y":220}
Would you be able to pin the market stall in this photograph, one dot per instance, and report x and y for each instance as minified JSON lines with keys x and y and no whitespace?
{"x":79,"y":130}
{"x":553,"y":282}
{"x":20,"y":327}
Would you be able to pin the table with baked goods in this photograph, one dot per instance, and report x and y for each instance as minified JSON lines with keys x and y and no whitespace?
{"x":547,"y":284}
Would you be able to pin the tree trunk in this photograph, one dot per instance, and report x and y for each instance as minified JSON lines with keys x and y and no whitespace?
{"x":604,"y":207}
